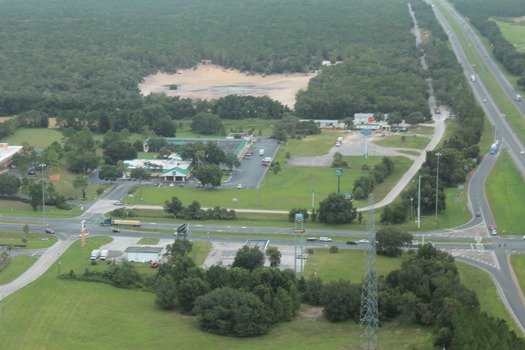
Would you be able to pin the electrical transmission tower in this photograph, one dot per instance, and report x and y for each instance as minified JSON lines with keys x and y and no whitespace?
{"x":369,"y":325}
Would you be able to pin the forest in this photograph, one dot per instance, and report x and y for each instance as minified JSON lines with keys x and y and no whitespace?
{"x":81,"y":61}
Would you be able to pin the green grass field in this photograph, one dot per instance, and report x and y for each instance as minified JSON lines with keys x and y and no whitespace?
{"x":313,"y":145}
{"x":504,"y":186}
{"x":513,"y":32}
{"x":17,"y":265}
{"x":36,"y":240}
{"x":403,"y":141}
{"x":64,"y":314}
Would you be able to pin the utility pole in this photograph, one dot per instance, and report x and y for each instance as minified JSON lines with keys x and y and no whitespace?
{"x":419,"y":203}
{"x":42,"y":166}
{"x":438,"y":155}
{"x":369,"y":322}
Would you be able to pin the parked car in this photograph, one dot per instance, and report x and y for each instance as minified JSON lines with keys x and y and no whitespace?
{"x":311,"y":239}
{"x":49,"y":230}
{"x":325,"y":239}
{"x":154,"y":265}
{"x":351,"y":242}
{"x":118,"y":203}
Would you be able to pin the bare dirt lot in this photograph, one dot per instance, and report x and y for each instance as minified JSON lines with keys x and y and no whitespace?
{"x":208,"y":81}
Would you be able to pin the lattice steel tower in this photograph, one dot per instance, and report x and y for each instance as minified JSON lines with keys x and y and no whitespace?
{"x":369,"y":324}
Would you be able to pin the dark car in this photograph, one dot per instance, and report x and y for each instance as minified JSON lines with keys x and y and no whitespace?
{"x":351,"y":242}
{"x":115,"y":230}
{"x":311,"y":239}
{"x":49,"y":230}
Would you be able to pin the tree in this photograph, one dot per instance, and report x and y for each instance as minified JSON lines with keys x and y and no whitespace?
{"x":181,"y":247}
{"x":9,"y":184}
{"x":209,"y":174}
{"x":341,"y":301}
{"x":313,"y":291}
{"x":109,"y":173}
{"x":336,"y":209}
{"x":119,"y":150}
{"x":80,"y":182}
{"x":207,"y":124}
{"x":293,"y":211}
{"x":249,"y":258}
{"x":274,"y":255}
{"x":217,"y":277}
{"x":230,"y":312}
{"x":390,"y":240}
{"x":165,"y":292}
{"x":188,"y":290}
{"x":125,"y":276}
{"x":174,"y":206}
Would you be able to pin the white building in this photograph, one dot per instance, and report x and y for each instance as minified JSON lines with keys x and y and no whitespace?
{"x":6,"y":155}
{"x":144,"y":253}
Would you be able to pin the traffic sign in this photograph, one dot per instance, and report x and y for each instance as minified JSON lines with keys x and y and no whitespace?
{"x":339,"y":172}
{"x":299,"y":230}
{"x":366,"y":132}
{"x":299,"y":217}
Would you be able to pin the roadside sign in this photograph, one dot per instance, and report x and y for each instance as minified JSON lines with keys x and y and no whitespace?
{"x":339,"y":172}
{"x":299,"y":217}
{"x":299,"y":230}
{"x":366,"y":132}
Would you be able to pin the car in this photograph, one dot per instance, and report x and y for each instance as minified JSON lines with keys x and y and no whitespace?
{"x":303,"y":256}
{"x":484,"y":100}
{"x":115,"y":230}
{"x":49,"y":230}
{"x":364,"y":241}
{"x":311,"y":239}
{"x":154,"y":265}
{"x":351,"y":242}
{"x":325,"y":239}
{"x":522,"y":152}
{"x":239,"y":186}
{"x":478,"y":214}
{"x":118,"y":203}
{"x":249,"y":153}
{"x":265,"y":164}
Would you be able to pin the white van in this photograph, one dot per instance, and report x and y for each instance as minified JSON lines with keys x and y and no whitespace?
{"x":95,"y":254}
{"x":261,"y":152}
{"x":104,"y":254}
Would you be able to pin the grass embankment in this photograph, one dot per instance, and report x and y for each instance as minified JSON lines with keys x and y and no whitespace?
{"x":403,"y":141}
{"x":505,"y":191}
{"x":34,"y":240}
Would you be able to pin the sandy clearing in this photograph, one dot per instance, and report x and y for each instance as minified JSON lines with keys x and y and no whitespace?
{"x":208,"y":81}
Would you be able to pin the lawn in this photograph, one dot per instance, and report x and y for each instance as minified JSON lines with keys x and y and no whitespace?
{"x":503,"y":186}
{"x":513,"y":32}
{"x":347,"y":264}
{"x":36,"y":137}
{"x":36,"y":240}
{"x":17,"y":208}
{"x":480,"y":282}
{"x":293,"y":186}
{"x":313,"y":145}
{"x":17,"y":266}
{"x":403,"y":141}
{"x":63,"y":314}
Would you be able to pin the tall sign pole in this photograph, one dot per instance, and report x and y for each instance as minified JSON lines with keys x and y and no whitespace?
{"x":339,"y":173}
{"x":366,"y":133}
{"x":299,"y":219}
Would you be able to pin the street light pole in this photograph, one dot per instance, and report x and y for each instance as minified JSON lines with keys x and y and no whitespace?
{"x":438,"y":155}
{"x":42,"y":165}
{"x":419,"y":203}
{"x":411,"y":207}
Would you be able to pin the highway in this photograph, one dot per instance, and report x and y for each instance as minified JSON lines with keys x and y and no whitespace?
{"x":501,"y":271}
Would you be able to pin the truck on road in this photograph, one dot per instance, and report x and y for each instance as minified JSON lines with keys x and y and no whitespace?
{"x":116,"y":222}
{"x":518,"y":97}
{"x":473,"y":78}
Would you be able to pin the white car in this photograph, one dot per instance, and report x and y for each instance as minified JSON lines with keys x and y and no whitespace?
{"x":364,"y":241}
{"x":118,"y":203}
{"x":239,"y":186}
{"x":325,"y":239}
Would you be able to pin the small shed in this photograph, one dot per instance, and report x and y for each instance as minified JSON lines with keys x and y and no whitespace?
{"x":144,"y":253}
